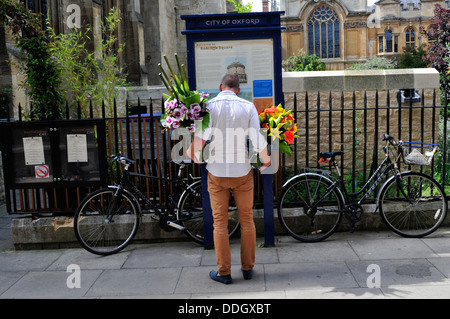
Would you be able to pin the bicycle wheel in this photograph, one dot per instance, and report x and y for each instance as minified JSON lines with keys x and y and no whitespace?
{"x":413,"y":206}
{"x":305,"y":212}
{"x":190,"y":206}
{"x":105,"y":224}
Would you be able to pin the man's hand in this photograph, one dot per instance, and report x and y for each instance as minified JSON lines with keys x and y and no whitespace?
{"x":196,"y":146}
{"x":265,"y":165}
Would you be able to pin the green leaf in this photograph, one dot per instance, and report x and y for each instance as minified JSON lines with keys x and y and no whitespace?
{"x":285,"y":148}
{"x":205,"y":122}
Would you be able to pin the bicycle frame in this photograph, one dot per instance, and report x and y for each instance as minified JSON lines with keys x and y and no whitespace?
{"x":370,"y":185}
{"x":126,"y":183}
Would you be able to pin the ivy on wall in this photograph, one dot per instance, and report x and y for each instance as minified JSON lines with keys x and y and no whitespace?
{"x":42,"y":73}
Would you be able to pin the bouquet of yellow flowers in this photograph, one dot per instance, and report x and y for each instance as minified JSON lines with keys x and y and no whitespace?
{"x":279,"y":124}
{"x":183,"y":107}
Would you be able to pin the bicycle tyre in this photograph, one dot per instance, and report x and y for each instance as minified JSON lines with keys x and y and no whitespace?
{"x":94,"y":228}
{"x":420,"y":218}
{"x":191,"y":203}
{"x":315,"y":225}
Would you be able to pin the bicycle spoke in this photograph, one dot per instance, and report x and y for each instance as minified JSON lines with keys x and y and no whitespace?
{"x":419,"y":212}
{"x":100,"y":228}
{"x":306,"y":213}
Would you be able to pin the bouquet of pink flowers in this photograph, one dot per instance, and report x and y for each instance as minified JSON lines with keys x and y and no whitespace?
{"x":183,"y":108}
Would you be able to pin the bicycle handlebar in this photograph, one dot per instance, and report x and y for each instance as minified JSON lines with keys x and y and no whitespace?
{"x":121,"y":159}
{"x":390,"y":139}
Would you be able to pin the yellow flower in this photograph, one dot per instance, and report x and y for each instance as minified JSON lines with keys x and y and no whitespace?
{"x":275,"y":133}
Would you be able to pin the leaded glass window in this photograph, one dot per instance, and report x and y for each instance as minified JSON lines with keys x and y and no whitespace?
{"x":410,"y":38}
{"x":324,"y":33}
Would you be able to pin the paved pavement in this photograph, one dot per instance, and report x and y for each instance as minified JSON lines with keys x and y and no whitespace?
{"x":360,"y":265}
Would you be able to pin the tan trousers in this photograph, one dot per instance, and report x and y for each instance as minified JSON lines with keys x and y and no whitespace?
{"x":219,"y":192}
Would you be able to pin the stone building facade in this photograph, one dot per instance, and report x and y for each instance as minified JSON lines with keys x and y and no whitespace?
{"x":345,"y":32}
{"x":150,"y":29}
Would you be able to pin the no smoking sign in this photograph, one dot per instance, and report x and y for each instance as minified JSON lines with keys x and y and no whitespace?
{"x":42,"y":171}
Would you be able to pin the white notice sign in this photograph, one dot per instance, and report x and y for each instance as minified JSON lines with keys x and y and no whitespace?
{"x":76,"y":148}
{"x":33,"y":147}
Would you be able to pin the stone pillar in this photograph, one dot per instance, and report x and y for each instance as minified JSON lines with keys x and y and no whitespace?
{"x":133,"y":36}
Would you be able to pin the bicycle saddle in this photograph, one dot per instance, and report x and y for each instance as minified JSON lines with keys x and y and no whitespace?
{"x":326,"y":156}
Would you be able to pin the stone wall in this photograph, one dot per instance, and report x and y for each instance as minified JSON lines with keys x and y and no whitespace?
{"x":346,"y":86}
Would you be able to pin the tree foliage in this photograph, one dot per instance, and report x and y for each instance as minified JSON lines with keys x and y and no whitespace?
{"x":412,"y":57}
{"x":42,"y":76}
{"x":87,"y":78}
{"x":439,"y":36}
{"x":241,"y":8}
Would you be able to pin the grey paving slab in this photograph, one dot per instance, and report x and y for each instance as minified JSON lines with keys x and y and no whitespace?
{"x":164,"y":255}
{"x":196,"y":280}
{"x":308,"y":275}
{"x":248,"y":295}
{"x":135,"y":282}
{"x":87,"y":261}
{"x":440,"y":245}
{"x":28,"y":260}
{"x":441,"y":264}
{"x":50,"y":284}
{"x":398,"y":272}
{"x":394,"y":248}
{"x":9,"y":278}
{"x":417,"y":292}
{"x":331,"y":250}
{"x":336,"y":293}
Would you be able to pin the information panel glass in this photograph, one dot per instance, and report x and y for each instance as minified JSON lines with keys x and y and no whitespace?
{"x":251,"y":60}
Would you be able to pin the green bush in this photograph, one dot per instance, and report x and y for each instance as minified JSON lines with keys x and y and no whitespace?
{"x":412,"y":58}
{"x":377,"y":63}
{"x":302,"y":62}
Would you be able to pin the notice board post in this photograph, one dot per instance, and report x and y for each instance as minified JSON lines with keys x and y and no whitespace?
{"x":246,"y":44}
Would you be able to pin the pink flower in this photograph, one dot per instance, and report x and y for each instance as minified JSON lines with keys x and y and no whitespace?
{"x":176,"y":123}
{"x":196,"y":108}
{"x":170,"y":105}
{"x":177,"y":114}
{"x":190,"y":115}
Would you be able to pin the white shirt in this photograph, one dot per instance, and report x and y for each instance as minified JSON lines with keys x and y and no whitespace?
{"x":233,"y":121}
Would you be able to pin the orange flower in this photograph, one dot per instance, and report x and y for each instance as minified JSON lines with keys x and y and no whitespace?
{"x":289,"y":137}
{"x":293,"y":129}
{"x":270,"y":110}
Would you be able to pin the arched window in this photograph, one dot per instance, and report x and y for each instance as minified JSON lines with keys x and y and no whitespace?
{"x":410,"y":38}
{"x":324,"y":33}
{"x":388,"y":39}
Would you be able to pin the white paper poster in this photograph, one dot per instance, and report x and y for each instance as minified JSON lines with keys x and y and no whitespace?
{"x":33,"y":148}
{"x":76,"y":148}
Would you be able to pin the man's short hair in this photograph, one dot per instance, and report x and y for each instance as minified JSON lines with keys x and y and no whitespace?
{"x":231,"y":81}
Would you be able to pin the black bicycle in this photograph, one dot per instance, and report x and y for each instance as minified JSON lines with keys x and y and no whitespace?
{"x":411,"y":204}
{"x":107,"y":220}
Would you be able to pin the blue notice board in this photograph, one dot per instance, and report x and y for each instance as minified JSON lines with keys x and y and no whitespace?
{"x":246,"y":44}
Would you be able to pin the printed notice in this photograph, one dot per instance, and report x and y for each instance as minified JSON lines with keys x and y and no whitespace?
{"x":251,"y":60}
{"x":33,"y":148}
{"x":76,"y":148}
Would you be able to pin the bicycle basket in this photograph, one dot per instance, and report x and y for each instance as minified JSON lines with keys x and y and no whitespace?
{"x":414,"y":157}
